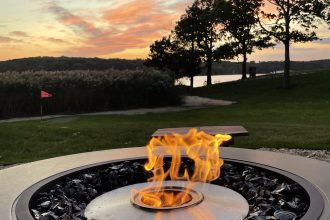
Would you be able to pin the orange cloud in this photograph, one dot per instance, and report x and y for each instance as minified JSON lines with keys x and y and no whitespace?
{"x":56,"y":40}
{"x":5,"y":39}
{"x":77,"y":23}
{"x":131,"y":12}
{"x":129,"y":26}
{"x":8,"y":40}
{"x":19,"y":34}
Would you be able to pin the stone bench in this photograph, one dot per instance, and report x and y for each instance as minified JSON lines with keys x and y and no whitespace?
{"x":234,"y":131}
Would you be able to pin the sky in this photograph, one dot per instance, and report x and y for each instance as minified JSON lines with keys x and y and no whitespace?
{"x":108,"y":29}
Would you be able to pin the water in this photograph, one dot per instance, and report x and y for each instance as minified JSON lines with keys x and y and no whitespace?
{"x":200,"y":81}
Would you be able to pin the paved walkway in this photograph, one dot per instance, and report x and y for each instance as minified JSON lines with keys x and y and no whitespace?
{"x":189,"y":103}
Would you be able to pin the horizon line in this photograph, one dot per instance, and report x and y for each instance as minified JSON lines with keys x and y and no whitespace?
{"x":118,"y":58}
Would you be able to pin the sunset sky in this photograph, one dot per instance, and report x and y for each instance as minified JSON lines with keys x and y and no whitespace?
{"x":107,"y":29}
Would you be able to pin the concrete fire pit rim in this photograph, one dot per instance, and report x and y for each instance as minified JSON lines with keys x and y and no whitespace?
{"x":22,"y":204}
{"x":11,"y":187}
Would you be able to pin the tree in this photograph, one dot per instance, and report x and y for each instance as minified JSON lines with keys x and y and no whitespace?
{"x":240,"y":21}
{"x":159,"y":53}
{"x":294,"y":21}
{"x":207,"y":31}
{"x":170,"y":53}
{"x":187,"y":33}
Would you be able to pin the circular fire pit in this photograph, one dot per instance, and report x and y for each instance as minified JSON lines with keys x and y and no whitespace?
{"x":270,"y":193}
{"x":18,"y":196}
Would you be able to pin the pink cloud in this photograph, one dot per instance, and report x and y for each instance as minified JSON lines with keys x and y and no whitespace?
{"x":8,"y":39}
{"x":142,"y":24}
{"x":56,"y":40}
{"x":50,"y":26}
{"x":5,"y":39}
{"x":77,"y":23}
{"x":131,"y":12}
{"x":19,"y":34}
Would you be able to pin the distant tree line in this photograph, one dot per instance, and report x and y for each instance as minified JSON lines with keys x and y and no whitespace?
{"x":214,"y":30}
{"x":222,"y":68}
{"x":227,"y":67}
{"x":68,"y":63}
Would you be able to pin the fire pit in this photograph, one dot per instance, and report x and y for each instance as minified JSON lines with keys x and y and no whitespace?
{"x":104,"y":190}
{"x":99,"y":185}
{"x":180,"y":187}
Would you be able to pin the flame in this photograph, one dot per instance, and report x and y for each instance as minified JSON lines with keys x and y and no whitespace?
{"x":202,"y":148}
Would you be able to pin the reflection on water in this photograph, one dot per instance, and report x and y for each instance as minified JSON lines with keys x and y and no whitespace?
{"x":201,"y":80}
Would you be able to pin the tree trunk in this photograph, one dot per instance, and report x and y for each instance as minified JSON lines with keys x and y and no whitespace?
{"x":244,"y":66}
{"x":209,"y":62}
{"x":191,"y":82}
{"x":286,"y":79}
{"x":192,"y":68}
{"x":209,"y":70}
{"x":173,"y":78}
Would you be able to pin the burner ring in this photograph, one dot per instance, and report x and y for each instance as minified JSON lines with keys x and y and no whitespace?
{"x":218,"y":203}
{"x":195,"y":198}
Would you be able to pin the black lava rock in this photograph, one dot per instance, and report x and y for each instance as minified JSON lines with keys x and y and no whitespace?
{"x":271,"y":196}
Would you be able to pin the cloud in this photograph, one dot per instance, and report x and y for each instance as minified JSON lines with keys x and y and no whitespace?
{"x":56,"y":40}
{"x":131,"y":25}
{"x":5,"y":39}
{"x":125,"y":25}
{"x":77,"y":23}
{"x":131,"y":13}
{"x":50,"y":27}
{"x":8,"y":40}
{"x":150,"y":12}
{"x":19,"y":34}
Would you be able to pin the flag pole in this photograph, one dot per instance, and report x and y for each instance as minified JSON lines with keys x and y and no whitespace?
{"x":40,"y":109}
{"x":43,"y":95}
{"x":40,"y":105}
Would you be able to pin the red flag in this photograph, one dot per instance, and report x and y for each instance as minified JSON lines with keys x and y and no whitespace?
{"x":45,"y":94}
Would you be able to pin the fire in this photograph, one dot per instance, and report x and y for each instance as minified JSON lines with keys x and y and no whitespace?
{"x":165,"y":198}
{"x":202,"y":148}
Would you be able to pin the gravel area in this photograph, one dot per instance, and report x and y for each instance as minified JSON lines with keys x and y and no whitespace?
{"x":269,"y":195}
{"x":314,"y":154}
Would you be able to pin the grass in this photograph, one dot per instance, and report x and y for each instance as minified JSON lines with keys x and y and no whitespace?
{"x":295,"y":118}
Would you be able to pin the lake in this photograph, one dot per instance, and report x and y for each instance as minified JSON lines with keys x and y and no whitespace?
{"x":200,"y":81}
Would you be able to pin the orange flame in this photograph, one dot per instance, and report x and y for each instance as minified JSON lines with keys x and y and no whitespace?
{"x":202,"y":148}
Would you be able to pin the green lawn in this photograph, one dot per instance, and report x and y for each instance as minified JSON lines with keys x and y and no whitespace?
{"x":296,"y":118}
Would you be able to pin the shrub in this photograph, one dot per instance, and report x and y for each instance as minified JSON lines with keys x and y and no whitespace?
{"x":84,"y":91}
